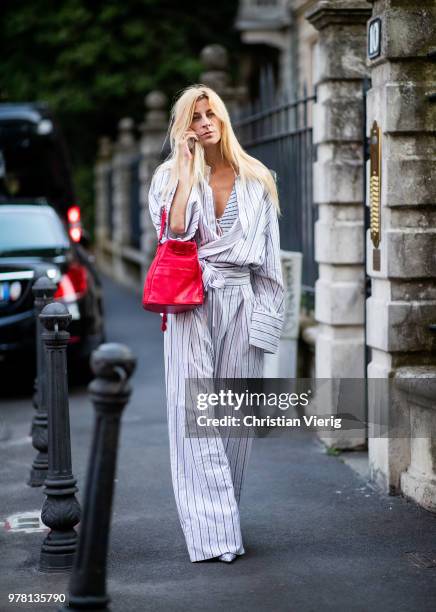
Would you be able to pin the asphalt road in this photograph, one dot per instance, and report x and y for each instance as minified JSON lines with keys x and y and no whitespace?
{"x":317,"y":536}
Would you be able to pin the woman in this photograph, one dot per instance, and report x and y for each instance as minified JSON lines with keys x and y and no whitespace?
{"x":227,"y":201}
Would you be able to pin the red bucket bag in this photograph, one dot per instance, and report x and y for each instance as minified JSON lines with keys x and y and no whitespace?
{"x":173,"y":282}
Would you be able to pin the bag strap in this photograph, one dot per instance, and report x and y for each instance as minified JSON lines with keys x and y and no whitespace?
{"x":163,"y":221}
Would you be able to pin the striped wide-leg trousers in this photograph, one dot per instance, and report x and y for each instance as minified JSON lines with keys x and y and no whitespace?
{"x":207,"y":472}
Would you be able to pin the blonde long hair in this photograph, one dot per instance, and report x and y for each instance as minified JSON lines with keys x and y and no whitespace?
{"x":182,"y":114}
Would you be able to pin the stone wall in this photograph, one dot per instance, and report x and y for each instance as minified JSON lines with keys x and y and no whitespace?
{"x":403,"y":301}
{"x":122,"y":177}
{"x":400,"y":314}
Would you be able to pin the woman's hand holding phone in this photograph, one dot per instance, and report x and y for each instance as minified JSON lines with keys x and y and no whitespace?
{"x":186,"y":147}
{"x":191,"y":144}
{"x":187,"y":144}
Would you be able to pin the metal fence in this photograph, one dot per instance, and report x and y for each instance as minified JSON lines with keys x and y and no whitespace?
{"x":134,"y":203}
{"x":110,"y":201}
{"x":276,"y":130}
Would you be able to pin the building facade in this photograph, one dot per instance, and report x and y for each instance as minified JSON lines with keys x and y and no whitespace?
{"x":374,"y":301}
{"x":350,"y":129}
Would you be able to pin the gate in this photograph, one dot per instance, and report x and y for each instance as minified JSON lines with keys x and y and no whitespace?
{"x":277,"y":131}
{"x":134,"y":203}
{"x":110,"y":202}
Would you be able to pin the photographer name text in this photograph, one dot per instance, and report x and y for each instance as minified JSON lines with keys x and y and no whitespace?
{"x":251,"y":420}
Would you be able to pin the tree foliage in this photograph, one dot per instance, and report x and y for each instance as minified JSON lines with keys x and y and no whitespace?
{"x":93,"y":61}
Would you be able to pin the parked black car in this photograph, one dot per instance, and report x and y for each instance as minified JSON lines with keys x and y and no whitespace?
{"x":34,"y":161}
{"x":33,"y":237}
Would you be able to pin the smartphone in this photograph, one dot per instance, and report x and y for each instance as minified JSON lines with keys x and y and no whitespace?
{"x":191,"y":144}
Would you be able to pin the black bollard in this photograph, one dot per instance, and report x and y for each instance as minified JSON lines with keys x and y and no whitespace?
{"x":43,"y":289}
{"x":112,"y":365}
{"x":61,"y":510}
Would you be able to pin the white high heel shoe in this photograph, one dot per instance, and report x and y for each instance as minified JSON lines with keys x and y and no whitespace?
{"x":227,"y":557}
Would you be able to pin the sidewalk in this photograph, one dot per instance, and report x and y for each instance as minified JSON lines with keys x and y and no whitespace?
{"x":317,"y":537}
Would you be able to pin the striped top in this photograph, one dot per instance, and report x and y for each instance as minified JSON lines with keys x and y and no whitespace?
{"x":253,"y":241}
{"x":230,"y":214}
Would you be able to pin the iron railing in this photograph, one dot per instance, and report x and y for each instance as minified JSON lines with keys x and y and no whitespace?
{"x":110,"y":202}
{"x":277,"y":131}
{"x":135,"y":203}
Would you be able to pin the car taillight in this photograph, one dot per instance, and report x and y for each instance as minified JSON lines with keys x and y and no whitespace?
{"x":73,"y":283}
{"x":74,"y":223}
{"x":73,"y":214}
{"x":75,"y":234}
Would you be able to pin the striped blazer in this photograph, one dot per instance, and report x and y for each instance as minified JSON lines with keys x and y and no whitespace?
{"x":253,"y":241}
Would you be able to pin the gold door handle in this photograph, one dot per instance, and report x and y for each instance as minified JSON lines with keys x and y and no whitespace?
{"x":375,"y":183}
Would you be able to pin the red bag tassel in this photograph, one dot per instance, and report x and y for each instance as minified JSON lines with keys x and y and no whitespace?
{"x":164,"y":322}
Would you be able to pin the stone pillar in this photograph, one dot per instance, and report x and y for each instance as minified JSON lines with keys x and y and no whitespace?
{"x":216,"y":76}
{"x":338,"y":191}
{"x":103,"y":188}
{"x":125,"y":151}
{"x":418,"y":386}
{"x":153,"y":132}
{"x":403,"y":299}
